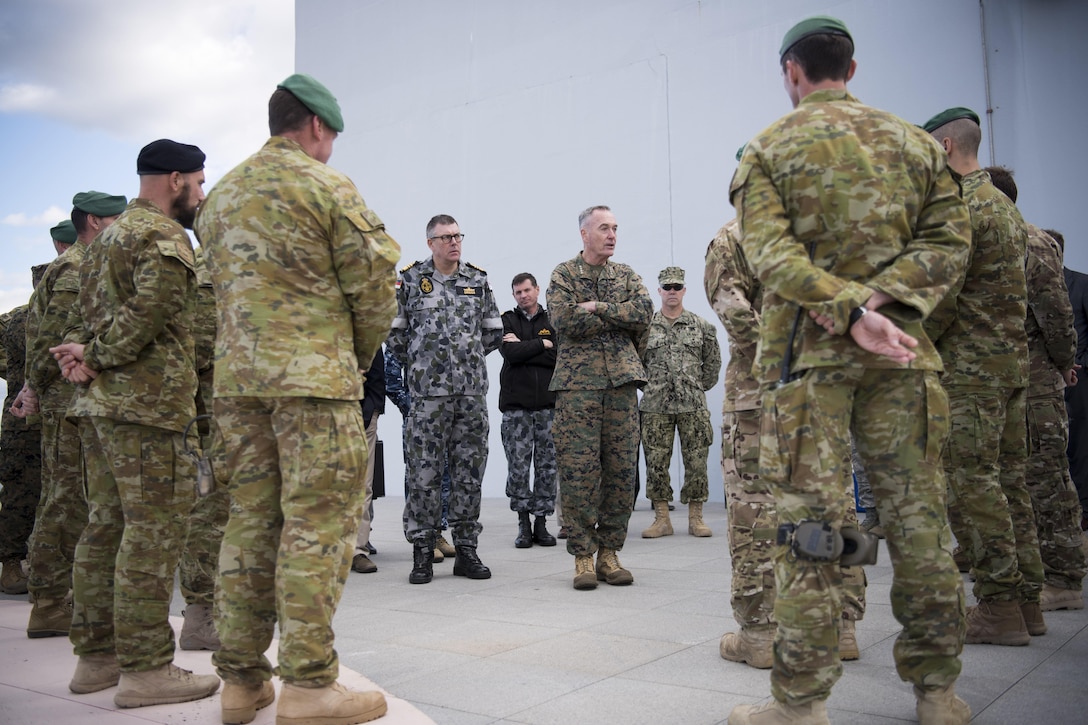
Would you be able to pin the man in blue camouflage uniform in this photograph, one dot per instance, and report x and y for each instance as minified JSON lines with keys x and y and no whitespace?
{"x":600,"y":310}
{"x":447,"y":322}
{"x":846,"y":210}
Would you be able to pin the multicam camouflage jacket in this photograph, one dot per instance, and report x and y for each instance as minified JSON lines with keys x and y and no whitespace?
{"x":1052,"y":340}
{"x":50,"y":306}
{"x":303,"y":274}
{"x":736,"y":295}
{"x":137,"y":291}
{"x":837,"y":199}
{"x":979,"y":327}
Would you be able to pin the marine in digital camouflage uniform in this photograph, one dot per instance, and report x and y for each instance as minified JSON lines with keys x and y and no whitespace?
{"x":136,"y":377}
{"x":682,"y":359}
{"x":980,"y":334}
{"x":303,"y":274}
{"x":1052,"y":348}
{"x":600,"y":310}
{"x":62,"y":511}
{"x":831,"y":248}
{"x":736,"y":295}
{"x":20,"y":459}
{"x":446,"y":323}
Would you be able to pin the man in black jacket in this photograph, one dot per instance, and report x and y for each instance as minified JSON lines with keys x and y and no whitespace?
{"x":528,"y":352}
{"x":373,"y":405}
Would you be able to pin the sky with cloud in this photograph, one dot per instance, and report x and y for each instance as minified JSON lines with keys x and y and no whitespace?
{"x":84,"y":84}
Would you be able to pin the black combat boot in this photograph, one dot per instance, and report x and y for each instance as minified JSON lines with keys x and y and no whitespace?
{"x":525,"y":531}
{"x":540,"y":533}
{"x":468,"y":564}
{"x":422,"y":563}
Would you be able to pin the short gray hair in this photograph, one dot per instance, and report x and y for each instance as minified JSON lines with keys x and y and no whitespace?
{"x":588,"y":213}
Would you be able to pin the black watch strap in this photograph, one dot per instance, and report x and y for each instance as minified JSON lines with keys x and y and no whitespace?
{"x":856,"y":314}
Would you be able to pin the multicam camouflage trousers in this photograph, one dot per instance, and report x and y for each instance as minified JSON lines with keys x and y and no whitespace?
{"x":21,"y":476}
{"x":696,"y":434}
{"x":199,"y":562}
{"x":62,"y":510}
{"x":527,"y":439}
{"x":139,"y":493}
{"x":900,"y":418}
{"x":1053,"y":496}
{"x":751,"y":512}
{"x":596,"y":444}
{"x":449,"y":430}
{"x":295,"y":470}
{"x":985,"y":465}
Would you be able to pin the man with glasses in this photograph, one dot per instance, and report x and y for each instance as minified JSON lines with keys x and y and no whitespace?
{"x":682,"y":358}
{"x":447,"y":322}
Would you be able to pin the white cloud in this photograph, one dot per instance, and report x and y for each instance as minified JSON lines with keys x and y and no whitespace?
{"x":199,"y":72}
{"x":47,"y":218}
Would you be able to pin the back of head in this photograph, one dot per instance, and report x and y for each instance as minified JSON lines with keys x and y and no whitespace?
{"x":1003,"y":180}
{"x":822,"y":46}
{"x":299,"y":98}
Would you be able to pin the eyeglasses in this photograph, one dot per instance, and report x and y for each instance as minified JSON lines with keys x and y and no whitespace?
{"x":672,"y":287}
{"x":448,"y":238}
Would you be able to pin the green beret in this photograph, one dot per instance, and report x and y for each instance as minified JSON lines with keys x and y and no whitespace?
{"x":65,"y":232}
{"x":165,"y":157}
{"x":813,"y":26}
{"x":671,"y":275}
{"x":952,"y":114}
{"x":317,"y":98}
{"x":99,"y":203}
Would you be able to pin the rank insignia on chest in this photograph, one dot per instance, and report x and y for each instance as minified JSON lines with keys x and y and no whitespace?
{"x":545,"y":331}
{"x":426,"y":286}
{"x":468,"y":290}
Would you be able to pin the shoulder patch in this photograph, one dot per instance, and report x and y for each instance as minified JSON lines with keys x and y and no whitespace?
{"x":407,"y":267}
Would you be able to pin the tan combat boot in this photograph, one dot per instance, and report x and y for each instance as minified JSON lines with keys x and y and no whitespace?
{"x":241,"y":701}
{"x":1033,"y":618}
{"x":1054,"y":598}
{"x":696,"y":527}
{"x":12,"y":579}
{"x":94,"y":673}
{"x":661,"y":526}
{"x":49,"y":618}
{"x":848,"y":641}
{"x":584,"y":576}
{"x":163,"y":686}
{"x":994,"y":622}
{"x":779,"y":713}
{"x":444,"y":546}
{"x":941,"y":707}
{"x":752,"y":645}
{"x":610,"y":570}
{"x":333,"y":704}
{"x":198,"y":631}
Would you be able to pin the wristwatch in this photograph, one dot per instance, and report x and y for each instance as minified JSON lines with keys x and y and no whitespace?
{"x":856,"y":314}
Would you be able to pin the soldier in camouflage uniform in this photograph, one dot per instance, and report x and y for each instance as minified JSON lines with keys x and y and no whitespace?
{"x":682,"y":359}
{"x":600,"y":310}
{"x":20,"y":455}
{"x":132,"y":359}
{"x":62,"y":512}
{"x":736,"y":294}
{"x":446,"y":322}
{"x":303,"y":278}
{"x":829,"y":360}
{"x":980,"y":333}
{"x":1052,"y":348}
{"x":199,"y":562}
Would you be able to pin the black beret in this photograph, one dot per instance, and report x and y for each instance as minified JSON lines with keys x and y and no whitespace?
{"x":165,"y":157}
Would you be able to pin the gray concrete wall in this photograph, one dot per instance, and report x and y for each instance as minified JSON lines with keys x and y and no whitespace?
{"x":515,"y":115}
